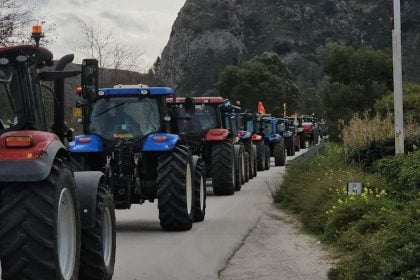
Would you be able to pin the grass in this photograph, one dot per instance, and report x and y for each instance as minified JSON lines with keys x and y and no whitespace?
{"x":376,"y":234}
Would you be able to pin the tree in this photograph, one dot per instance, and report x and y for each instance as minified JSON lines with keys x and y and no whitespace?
{"x":14,"y":17}
{"x":264,"y":78}
{"x":411,"y":102}
{"x":355,"y":79}
{"x":111,"y":53}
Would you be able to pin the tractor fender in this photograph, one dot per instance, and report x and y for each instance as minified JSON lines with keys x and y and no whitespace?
{"x":217,"y":134}
{"x":243,"y":135}
{"x":256,"y":137}
{"x":160,"y":142}
{"x":274,"y":138}
{"x":29,"y":164}
{"x":87,"y":184}
{"x":86,"y":144}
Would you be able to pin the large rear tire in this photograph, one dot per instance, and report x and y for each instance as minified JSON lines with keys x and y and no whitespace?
{"x":279,"y":153}
{"x":297,"y":144}
{"x":98,"y":243}
{"x":249,"y":148}
{"x":302,"y":139}
{"x":40,"y":228}
{"x":175,"y":191}
{"x":223,"y":168}
{"x":200,"y":190}
{"x":290,"y":146}
{"x":260,"y":156}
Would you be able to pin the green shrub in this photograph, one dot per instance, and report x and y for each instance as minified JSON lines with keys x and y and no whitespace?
{"x":403,"y":174}
{"x":393,"y":252}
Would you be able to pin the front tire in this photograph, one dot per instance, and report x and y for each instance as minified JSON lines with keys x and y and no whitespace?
{"x":223,"y":168}
{"x":255,"y":163}
{"x":98,"y":243}
{"x":175,"y":190}
{"x":267,"y":157}
{"x":40,"y":228}
{"x":239,"y":174}
{"x":200,"y":190}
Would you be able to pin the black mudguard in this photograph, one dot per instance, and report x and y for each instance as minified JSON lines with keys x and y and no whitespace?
{"x":31,"y":170}
{"x":87,"y":184}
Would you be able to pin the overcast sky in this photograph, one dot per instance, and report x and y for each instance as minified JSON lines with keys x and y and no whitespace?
{"x":146,"y":23}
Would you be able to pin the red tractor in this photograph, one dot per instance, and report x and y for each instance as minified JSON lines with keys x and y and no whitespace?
{"x":310,"y":127}
{"x":54,"y":223}
{"x":211,"y":133}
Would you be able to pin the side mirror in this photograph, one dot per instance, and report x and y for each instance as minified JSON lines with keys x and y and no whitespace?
{"x":90,"y":76}
{"x":69,"y":134}
{"x":189,"y":105}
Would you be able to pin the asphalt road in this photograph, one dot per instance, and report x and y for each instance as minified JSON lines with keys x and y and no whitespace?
{"x":145,"y":252}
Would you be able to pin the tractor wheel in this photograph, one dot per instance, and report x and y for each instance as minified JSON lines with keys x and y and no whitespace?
{"x":98,"y":243}
{"x":240,"y":167}
{"x":279,"y":153}
{"x":297,"y":144}
{"x":302,"y":139}
{"x":40,"y":228}
{"x":250,"y":150}
{"x":247,"y":167}
{"x":223,"y":168}
{"x":260,"y":156}
{"x":200,"y":190}
{"x":175,"y":190}
{"x":267,"y":157}
{"x":290,"y":146}
{"x":255,"y":163}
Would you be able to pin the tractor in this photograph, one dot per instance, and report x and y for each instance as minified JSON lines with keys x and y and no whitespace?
{"x":54,"y":223}
{"x":211,"y":131}
{"x":291,"y":135}
{"x":246,"y":135}
{"x":127,"y":136}
{"x":311,"y":129}
{"x":274,"y":141}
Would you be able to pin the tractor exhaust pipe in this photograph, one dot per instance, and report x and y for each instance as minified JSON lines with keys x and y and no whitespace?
{"x":59,"y":114}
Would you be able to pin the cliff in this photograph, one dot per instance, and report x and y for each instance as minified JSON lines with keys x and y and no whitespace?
{"x":210,"y":34}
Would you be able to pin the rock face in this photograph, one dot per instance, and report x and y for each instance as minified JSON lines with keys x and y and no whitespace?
{"x":210,"y":34}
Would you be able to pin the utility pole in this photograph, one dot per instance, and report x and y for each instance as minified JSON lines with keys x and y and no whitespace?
{"x":398,"y":90}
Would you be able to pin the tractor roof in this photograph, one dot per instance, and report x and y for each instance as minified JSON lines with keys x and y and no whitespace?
{"x":135,"y":91}
{"x":198,"y":100}
{"x":28,"y":50}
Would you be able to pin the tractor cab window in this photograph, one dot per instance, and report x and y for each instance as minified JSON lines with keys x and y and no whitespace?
{"x":281,"y":127}
{"x":267,"y":129}
{"x":124,"y":117}
{"x":11,"y":112}
{"x":203,"y":119}
{"x":258,"y":126}
{"x":250,"y":126}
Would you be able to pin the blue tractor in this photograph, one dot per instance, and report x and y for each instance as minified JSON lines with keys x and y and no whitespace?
{"x":127,"y":136}
{"x":272,"y":133}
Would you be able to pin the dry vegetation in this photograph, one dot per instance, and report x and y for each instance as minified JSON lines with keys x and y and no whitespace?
{"x":363,"y":130}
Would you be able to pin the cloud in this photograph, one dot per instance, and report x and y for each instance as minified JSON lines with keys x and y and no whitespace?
{"x":143,"y":23}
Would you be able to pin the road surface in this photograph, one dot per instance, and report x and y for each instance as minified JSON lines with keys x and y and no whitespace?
{"x":145,"y":252}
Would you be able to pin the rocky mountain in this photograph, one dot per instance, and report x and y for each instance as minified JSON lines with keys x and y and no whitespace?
{"x":210,"y":34}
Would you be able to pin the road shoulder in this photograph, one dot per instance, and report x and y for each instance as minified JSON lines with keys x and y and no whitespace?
{"x":277,"y":249}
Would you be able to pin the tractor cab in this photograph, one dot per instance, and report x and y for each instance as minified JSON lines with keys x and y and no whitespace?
{"x":126,"y":113}
{"x":20,"y":88}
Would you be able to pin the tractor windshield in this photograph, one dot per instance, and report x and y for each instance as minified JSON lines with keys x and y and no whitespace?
{"x":124,"y":117}
{"x":10,"y":99}
{"x":203,"y":119}
{"x":268,"y":128}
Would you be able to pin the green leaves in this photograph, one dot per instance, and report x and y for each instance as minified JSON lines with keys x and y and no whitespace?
{"x":264,"y":78}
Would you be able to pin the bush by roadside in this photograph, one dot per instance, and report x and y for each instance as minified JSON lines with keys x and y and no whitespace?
{"x":367,"y":139}
{"x":376,"y":233}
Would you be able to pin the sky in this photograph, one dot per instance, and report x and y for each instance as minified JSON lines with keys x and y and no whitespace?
{"x":143,"y":23}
